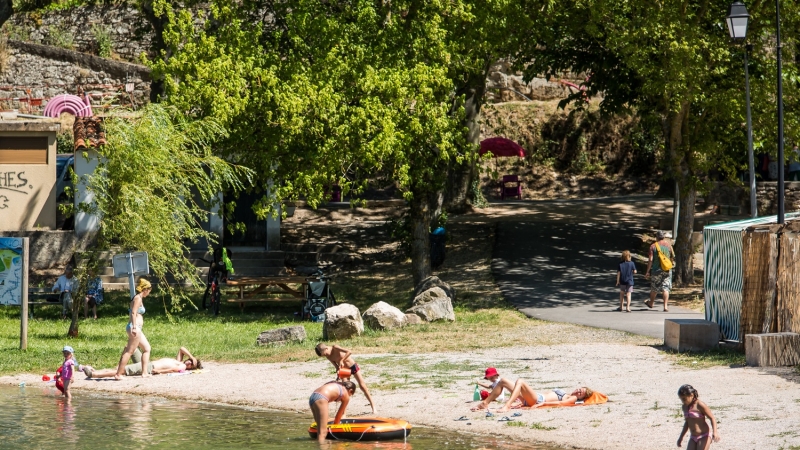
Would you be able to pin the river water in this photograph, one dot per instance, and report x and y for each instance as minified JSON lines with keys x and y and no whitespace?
{"x":32,"y":418}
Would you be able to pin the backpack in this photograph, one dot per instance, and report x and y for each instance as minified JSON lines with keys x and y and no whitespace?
{"x":666,"y":263}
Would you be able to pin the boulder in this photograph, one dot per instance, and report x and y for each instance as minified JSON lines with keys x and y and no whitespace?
{"x":280,"y":336}
{"x":433,"y":305}
{"x":383,"y":316}
{"x":432,"y":282}
{"x":342,"y":322}
{"x":413,"y":319}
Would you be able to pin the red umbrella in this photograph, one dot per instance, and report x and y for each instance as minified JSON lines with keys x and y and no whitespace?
{"x":502,"y":147}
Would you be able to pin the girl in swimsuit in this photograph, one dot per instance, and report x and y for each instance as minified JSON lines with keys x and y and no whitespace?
{"x":136,"y":337}
{"x":333,"y":391}
{"x":695,"y":413}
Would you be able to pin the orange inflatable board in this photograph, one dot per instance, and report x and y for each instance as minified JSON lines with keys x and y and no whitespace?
{"x":366,"y":429}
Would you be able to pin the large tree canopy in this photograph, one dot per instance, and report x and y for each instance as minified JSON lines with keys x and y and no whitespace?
{"x":672,"y":59}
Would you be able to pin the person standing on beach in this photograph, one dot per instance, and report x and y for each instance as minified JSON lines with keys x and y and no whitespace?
{"x":695,"y":413}
{"x":661,"y":280}
{"x":625,"y":280}
{"x":67,"y":370}
{"x":343,"y":358}
{"x":136,"y":337}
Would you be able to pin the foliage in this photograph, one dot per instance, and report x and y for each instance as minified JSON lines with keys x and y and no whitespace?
{"x":65,"y":143}
{"x":154,"y":185}
{"x":59,"y":37}
{"x":102,"y":40}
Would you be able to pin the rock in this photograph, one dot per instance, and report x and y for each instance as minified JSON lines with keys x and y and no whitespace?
{"x":413,"y":319}
{"x":433,"y":305}
{"x":280,"y":336}
{"x":342,"y":322}
{"x":383,"y":316}
{"x":434,"y":281}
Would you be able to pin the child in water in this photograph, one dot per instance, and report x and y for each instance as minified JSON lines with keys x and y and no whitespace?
{"x":695,"y":413}
{"x":66,"y":369}
{"x":343,"y":358}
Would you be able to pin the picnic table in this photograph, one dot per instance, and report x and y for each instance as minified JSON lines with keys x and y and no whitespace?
{"x":266,"y":289}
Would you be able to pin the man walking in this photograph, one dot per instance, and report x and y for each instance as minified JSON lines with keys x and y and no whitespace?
{"x":661,"y":280}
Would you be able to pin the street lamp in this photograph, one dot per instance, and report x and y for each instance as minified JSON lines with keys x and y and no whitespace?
{"x":737,"y":20}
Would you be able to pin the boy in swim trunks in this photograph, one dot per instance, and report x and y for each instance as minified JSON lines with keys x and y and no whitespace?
{"x":343,"y":358}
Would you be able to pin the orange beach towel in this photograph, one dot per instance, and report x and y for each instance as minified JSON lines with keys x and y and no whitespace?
{"x":597,"y":398}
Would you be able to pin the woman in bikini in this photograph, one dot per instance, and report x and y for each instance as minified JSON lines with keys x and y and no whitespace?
{"x":530,"y":398}
{"x":694,"y":414}
{"x":332,"y":391}
{"x":136,"y":337}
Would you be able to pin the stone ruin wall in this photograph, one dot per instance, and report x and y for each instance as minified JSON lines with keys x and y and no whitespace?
{"x":28,"y":80}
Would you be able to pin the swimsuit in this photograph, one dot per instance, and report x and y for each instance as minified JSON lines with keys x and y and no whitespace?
{"x":317,"y":396}
{"x":354,"y":369}
{"x":139,"y":311}
{"x":689,"y":414}
{"x":540,"y":397}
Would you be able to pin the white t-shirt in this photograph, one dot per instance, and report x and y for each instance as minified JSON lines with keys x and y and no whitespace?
{"x":64,"y":284}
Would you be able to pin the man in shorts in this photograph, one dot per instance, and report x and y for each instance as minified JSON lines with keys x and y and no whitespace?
{"x":661,"y":280}
{"x":163,"y":365}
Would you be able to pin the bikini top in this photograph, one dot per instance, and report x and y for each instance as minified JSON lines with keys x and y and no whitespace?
{"x":691,"y":414}
{"x":559,"y":393}
{"x":139,"y":311}
{"x":341,"y":392}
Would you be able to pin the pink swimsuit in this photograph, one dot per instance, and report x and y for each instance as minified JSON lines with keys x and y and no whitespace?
{"x":689,"y":414}
{"x":66,"y":371}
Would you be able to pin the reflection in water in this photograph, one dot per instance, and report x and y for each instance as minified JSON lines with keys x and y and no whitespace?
{"x":33,"y":418}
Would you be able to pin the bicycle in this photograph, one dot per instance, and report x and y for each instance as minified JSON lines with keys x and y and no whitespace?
{"x":215,"y":276}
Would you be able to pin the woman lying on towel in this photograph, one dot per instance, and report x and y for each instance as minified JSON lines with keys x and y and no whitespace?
{"x":521,"y":392}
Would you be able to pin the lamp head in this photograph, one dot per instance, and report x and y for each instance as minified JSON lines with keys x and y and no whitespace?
{"x":737,"y":20}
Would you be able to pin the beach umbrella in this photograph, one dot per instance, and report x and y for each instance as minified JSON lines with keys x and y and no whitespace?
{"x":501,"y":147}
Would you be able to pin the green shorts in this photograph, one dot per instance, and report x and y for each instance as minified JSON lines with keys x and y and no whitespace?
{"x":136,"y":369}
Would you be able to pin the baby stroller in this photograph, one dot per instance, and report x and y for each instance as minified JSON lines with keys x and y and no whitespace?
{"x":317,"y":297}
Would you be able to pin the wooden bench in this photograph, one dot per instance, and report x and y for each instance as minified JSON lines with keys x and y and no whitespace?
{"x":262,"y":290}
{"x":37,"y":296}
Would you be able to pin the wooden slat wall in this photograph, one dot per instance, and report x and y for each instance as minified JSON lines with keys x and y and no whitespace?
{"x":23,"y":150}
{"x":788,"y":295}
{"x":759,"y":255}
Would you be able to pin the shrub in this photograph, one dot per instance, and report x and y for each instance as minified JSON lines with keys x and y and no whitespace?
{"x":102,"y":40}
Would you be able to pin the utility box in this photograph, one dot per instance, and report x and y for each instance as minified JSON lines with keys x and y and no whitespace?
{"x":691,"y":335}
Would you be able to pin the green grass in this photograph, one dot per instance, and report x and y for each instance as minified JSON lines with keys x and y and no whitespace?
{"x":702,"y":360}
{"x":540,"y":426}
{"x":231,"y":337}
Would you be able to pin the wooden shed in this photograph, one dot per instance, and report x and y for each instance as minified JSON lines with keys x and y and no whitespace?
{"x":746,"y":274}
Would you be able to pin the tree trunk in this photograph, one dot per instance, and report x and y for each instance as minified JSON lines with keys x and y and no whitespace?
{"x":422,"y":212}
{"x":460,"y":176}
{"x":680,"y":164}
{"x":6,"y":10}
{"x":684,"y":262}
{"x":76,"y":305}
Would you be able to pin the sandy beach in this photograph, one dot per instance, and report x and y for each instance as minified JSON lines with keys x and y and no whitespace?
{"x":756,"y":409}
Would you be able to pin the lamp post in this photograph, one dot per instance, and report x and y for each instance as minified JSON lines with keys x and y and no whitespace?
{"x":737,"y":20}
{"x":780,"y":112}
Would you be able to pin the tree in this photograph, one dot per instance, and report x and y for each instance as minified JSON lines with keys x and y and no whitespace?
{"x":672,"y":58}
{"x":322,"y":93}
{"x":154,"y":185}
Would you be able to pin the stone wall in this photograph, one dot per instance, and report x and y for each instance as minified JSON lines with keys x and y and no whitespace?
{"x":29,"y":76}
{"x":51,"y":249}
{"x":724,"y":194}
{"x":506,"y":85}
{"x":128,"y":29}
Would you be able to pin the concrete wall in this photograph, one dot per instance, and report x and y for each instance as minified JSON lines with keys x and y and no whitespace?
{"x":28,"y":191}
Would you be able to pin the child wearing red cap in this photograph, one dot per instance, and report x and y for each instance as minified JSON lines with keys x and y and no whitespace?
{"x":495,"y":388}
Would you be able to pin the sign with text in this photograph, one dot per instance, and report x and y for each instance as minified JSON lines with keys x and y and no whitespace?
{"x":11,"y":271}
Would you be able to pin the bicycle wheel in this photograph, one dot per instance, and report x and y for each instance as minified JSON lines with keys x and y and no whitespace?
{"x":215,"y":299}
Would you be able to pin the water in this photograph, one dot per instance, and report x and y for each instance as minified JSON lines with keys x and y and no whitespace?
{"x":36,"y":419}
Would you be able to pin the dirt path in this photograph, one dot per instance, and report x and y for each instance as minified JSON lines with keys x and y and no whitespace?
{"x":755,"y":409}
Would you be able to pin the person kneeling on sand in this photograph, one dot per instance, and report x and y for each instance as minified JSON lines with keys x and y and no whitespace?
{"x":163,"y":365}
{"x":332,"y":391}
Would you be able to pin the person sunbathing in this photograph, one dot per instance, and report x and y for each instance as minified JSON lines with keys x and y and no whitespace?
{"x":163,"y":365}
{"x":527,"y":397}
